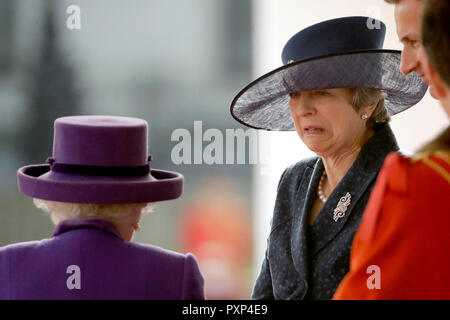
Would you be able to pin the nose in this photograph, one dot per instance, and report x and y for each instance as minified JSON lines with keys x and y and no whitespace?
{"x":301,"y":104}
{"x":409,"y":62}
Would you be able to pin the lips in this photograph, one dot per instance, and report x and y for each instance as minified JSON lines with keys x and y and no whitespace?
{"x":313,"y":130}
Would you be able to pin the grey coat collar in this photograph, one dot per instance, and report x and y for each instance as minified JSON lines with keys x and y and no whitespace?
{"x":359,"y":177}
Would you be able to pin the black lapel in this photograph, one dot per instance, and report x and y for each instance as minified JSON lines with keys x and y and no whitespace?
{"x":299,"y":237}
{"x":359,"y":177}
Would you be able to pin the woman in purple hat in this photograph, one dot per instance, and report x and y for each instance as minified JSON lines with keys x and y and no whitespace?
{"x":96,"y":187}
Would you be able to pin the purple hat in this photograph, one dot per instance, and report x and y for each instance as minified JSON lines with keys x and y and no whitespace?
{"x":99,"y":159}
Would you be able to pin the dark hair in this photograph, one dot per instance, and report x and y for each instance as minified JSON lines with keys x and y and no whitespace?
{"x":435,"y":36}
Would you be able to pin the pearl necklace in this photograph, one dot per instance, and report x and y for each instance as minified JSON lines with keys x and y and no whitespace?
{"x":320,"y":190}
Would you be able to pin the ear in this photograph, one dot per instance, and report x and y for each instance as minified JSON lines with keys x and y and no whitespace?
{"x":439,"y":87}
{"x":370,"y":108}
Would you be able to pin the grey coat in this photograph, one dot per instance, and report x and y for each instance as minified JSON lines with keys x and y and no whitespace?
{"x":304,"y":262}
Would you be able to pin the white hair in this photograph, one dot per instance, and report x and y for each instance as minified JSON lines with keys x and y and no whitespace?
{"x":60,"y":211}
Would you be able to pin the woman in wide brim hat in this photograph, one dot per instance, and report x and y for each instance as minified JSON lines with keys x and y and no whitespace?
{"x":96,"y":187}
{"x":337,"y":88}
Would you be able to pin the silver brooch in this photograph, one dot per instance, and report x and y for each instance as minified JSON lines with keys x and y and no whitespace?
{"x":341,"y":207}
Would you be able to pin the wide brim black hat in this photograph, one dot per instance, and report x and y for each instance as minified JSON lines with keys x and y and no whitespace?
{"x":340,"y":53}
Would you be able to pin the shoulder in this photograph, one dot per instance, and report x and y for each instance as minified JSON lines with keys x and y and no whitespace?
{"x":407,"y":187}
{"x":164,"y":257}
{"x":294,"y":172}
{"x":179,"y":268}
{"x":158,"y":252}
{"x":401,"y":171}
{"x":437,"y":162}
{"x":24,"y":246}
{"x":301,"y":165}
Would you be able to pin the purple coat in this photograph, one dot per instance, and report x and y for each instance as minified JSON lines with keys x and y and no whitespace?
{"x":87,"y":259}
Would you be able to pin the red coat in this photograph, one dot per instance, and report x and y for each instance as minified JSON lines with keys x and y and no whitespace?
{"x":403,"y":242}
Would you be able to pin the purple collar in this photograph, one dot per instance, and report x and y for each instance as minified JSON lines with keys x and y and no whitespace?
{"x":89,"y":223}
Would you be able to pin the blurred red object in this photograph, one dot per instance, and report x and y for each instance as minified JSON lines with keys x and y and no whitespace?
{"x":216,"y":227}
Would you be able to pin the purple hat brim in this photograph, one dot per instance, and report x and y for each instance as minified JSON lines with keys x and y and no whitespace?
{"x":38,"y":181}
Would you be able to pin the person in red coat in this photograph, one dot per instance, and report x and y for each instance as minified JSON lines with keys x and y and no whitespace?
{"x":401,"y":249}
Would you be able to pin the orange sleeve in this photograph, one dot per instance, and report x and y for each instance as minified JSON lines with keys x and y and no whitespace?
{"x":400,"y":250}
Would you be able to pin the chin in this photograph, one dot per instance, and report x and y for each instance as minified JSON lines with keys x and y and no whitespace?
{"x":318,"y":150}
{"x":314,"y":146}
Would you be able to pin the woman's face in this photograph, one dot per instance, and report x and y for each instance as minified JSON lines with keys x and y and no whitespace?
{"x":326,"y":121}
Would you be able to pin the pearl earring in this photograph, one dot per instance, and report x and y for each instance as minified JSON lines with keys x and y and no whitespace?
{"x":364,"y":116}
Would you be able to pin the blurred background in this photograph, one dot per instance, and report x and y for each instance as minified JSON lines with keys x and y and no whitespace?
{"x":170,"y":62}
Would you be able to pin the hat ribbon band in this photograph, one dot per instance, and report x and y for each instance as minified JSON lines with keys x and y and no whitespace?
{"x":116,"y":171}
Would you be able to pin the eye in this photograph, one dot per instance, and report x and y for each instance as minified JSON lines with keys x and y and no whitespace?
{"x":294,"y":94}
{"x":411,"y":43}
{"x":414,"y":44}
{"x":322,"y":93}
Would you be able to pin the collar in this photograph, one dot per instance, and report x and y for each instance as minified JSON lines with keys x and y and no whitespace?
{"x":86,"y":223}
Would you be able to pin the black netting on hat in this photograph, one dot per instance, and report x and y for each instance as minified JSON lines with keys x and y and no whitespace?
{"x":264,"y":104}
